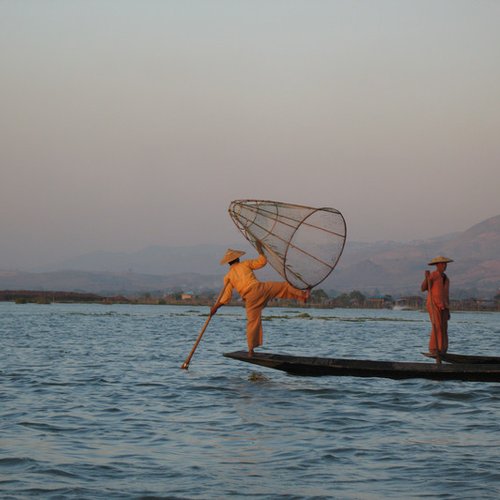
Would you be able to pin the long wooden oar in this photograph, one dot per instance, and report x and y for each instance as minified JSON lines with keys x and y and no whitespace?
{"x":433,"y":318}
{"x":185,"y":365}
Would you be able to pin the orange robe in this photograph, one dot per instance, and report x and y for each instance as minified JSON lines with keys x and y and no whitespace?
{"x":256,"y":294}
{"x":438,"y":306}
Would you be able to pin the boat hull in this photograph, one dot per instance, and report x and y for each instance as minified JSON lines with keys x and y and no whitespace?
{"x":317,"y":366}
{"x":465,"y":358}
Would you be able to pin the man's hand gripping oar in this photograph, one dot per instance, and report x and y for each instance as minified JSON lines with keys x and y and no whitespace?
{"x":213,"y":310}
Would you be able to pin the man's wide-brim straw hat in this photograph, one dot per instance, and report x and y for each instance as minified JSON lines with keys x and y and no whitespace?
{"x":231,"y":255}
{"x":440,"y":259}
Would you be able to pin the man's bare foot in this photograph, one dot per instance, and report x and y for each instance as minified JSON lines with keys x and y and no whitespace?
{"x":306,"y":296}
{"x":250,"y":353}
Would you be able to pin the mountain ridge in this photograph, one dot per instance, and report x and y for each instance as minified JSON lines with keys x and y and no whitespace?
{"x":386,"y":267}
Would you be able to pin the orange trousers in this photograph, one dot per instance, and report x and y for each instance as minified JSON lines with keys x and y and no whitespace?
{"x":439,"y":331}
{"x":257,"y":298}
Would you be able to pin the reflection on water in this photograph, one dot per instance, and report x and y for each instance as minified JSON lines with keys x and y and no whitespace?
{"x":93,"y":404}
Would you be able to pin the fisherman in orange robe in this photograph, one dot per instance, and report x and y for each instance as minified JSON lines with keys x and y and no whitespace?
{"x":438,"y":304}
{"x":255,"y":293}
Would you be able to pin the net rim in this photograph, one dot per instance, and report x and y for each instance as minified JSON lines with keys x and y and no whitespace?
{"x":343,"y":237}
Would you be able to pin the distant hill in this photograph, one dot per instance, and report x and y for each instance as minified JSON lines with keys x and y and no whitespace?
{"x":398,"y":267}
{"x":157,"y":260}
{"x":386,"y":267}
{"x":105,"y":283}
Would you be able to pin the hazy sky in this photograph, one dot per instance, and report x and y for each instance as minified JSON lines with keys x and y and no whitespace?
{"x":125,"y":124}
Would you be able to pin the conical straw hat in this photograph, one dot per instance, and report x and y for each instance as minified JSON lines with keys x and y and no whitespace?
{"x":438,"y":260}
{"x":231,"y":255}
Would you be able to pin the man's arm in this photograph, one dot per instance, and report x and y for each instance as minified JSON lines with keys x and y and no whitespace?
{"x":224,"y":298}
{"x":261,"y":260}
{"x":425,"y":283}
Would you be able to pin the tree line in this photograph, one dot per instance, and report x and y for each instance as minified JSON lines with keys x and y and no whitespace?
{"x":319,"y":298}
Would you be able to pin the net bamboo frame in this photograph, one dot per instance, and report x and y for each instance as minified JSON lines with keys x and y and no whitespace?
{"x":303,"y":244}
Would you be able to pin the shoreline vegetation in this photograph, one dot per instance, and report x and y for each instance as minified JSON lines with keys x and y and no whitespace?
{"x":319,"y":299}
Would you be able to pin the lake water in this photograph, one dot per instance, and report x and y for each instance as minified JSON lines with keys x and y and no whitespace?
{"x":93,"y":404}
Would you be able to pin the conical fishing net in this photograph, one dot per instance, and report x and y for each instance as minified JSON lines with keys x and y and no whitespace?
{"x":303,"y":244}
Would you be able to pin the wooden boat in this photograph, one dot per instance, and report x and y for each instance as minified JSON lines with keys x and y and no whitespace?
{"x":315,"y":366}
{"x":464,"y":358}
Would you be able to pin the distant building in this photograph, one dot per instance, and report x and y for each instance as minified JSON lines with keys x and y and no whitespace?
{"x":409,"y":303}
{"x":376,"y":303}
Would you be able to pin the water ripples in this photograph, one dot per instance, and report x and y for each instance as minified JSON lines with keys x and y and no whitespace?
{"x":93,"y":404}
